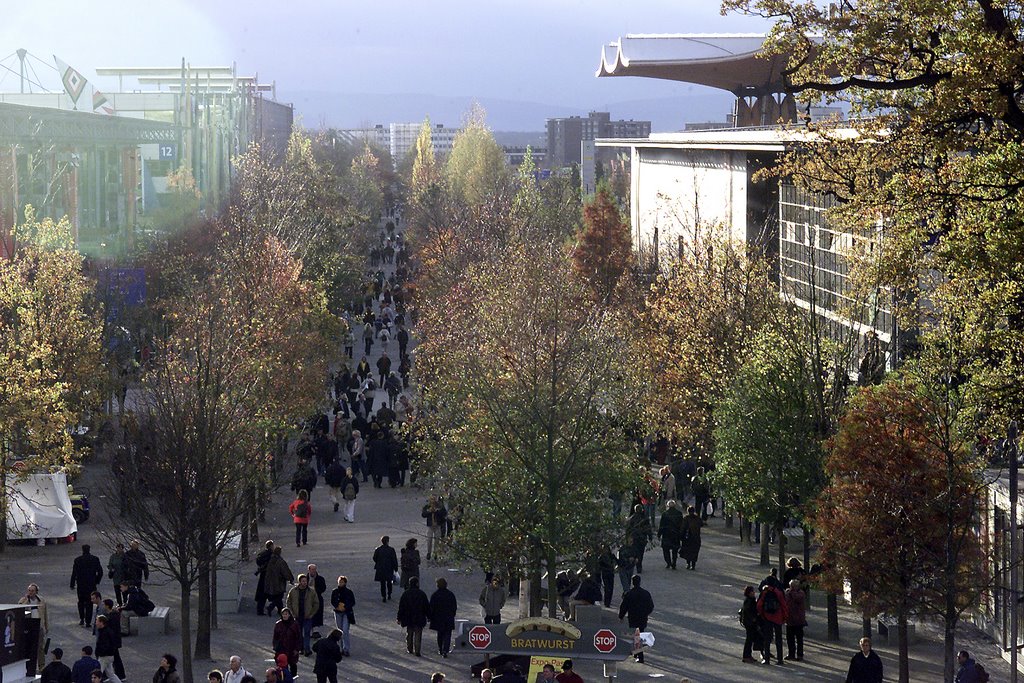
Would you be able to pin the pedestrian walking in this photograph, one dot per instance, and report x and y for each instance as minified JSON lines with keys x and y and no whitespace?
{"x":865,"y":666}
{"x":443,"y":608}
{"x":637,"y":605}
{"x":343,"y":600}
{"x":262,"y":560}
{"x":136,"y":566}
{"x":377,"y":456}
{"x":492,"y":599}
{"x":167,"y":672}
{"x":751,"y":624}
{"x":385,"y":566}
{"x":114,"y":624}
{"x":39,"y":614}
{"x":638,"y":534}
{"x":303,"y":604}
{"x":668,"y":484}
{"x":106,"y":648}
{"x":304,"y":478}
{"x":670,"y":531}
{"x":287,"y":641}
{"x":86,"y":575}
{"x":367,"y":338}
{"x":276,"y":580}
{"x":690,"y":548}
{"x":436,"y":517}
{"x":301,"y":510}
{"x":115,"y":571}
{"x":606,"y":568}
{"x":235,"y":671}
{"x":771,"y":607}
{"x":319,"y":586}
{"x":383,"y":367}
{"x":413,"y":614}
{"x":86,"y":664}
{"x":627,"y":565}
{"x":57,"y":671}
{"x":349,"y":492}
{"x":328,"y":654}
{"x":409,"y":563}
{"x":796,"y":620}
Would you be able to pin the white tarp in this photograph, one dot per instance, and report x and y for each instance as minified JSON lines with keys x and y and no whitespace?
{"x":39,"y":507}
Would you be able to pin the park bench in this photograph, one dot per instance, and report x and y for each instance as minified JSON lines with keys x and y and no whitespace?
{"x":888,"y":629}
{"x":156,"y":623}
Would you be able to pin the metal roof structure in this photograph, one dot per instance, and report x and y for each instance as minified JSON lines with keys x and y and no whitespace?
{"x":734,"y":61}
{"x":20,"y":124}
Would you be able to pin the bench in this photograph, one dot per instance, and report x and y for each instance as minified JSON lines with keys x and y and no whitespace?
{"x":156,"y":623}
{"x":888,"y":629}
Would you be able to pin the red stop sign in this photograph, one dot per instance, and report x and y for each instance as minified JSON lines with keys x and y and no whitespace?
{"x":480,"y":637}
{"x":604,"y":641}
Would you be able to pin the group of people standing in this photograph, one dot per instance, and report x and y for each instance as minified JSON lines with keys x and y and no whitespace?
{"x":773,"y":605}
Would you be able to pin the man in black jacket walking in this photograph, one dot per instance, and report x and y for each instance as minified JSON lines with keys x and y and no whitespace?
{"x":86,"y":574}
{"x":637,"y":604}
{"x":443,"y":608}
{"x":413,"y":613}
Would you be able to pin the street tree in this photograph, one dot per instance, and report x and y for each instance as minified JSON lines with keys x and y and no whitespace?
{"x":245,"y":352}
{"x":53,"y":374}
{"x":896,"y":517}
{"x":604,"y":251}
{"x":525,"y":385}
{"x":768,"y":454}
{"x":476,"y":164}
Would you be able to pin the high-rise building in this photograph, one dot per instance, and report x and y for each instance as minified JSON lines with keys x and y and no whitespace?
{"x":566,"y":135}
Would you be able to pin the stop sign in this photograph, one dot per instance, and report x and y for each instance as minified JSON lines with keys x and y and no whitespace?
{"x":604,"y":641}
{"x":480,"y":637}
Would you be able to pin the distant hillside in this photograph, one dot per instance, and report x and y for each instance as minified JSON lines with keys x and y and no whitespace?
{"x":355,"y":110}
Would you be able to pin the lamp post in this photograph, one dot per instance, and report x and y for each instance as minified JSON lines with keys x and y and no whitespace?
{"x":1011,"y":454}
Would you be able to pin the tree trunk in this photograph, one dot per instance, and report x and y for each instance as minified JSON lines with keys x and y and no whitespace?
{"x":807,"y":562}
{"x":203,"y":613}
{"x":904,"y":654}
{"x":748,"y":526}
{"x":727,"y":513}
{"x":766,"y":558}
{"x":213,"y":596}
{"x":186,"y":633}
{"x":950,"y":620}
{"x":780,"y":538}
{"x":832,"y":606}
{"x":551,"y":563}
{"x":865,"y":626}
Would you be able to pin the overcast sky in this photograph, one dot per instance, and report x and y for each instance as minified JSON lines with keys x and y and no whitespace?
{"x":533,"y":50}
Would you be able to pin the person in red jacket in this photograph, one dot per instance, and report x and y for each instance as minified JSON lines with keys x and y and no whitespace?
{"x":301,"y":510}
{"x":771,"y":607}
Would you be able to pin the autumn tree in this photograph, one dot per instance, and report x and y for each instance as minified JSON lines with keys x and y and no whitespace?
{"x":896,"y":518}
{"x":604,"y":252}
{"x":50,"y":351}
{"x":246,"y":351}
{"x":768,"y":454}
{"x":525,"y":385}
{"x":476,"y":164}
{"x":696,"y":331}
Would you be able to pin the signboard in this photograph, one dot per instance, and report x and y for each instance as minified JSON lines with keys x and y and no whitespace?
{"x":544,"y":637}
{"x":168,"y":152}
{"x":537,"y":667}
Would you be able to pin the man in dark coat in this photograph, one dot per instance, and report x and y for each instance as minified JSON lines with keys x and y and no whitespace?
{"x":328,"y":654}
{"x":670,"y":532}
{"x":385,"y":564}
{"x":377,"y":458}
{"x":86,"y":574}
{"x":637,"y":605}
{"x":262,"y":560}
{"x":56,"y":671}
{"x":690,"y":549}
{"x":866,"y":665}
{"x":638,"y":533}
{"x":384,"y":367}
{"x":136,"y":567}
{"x":413,"y":613}
{"x":443,"y":607}
{"x":394,"y":464}
{"x":304,"y":478}
{"x":319,"y":586}
{"x":606,"y":569}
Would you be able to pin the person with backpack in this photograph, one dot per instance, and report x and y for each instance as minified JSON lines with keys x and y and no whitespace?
{"x":136,"y":601}
{"x":969,"y":671}
{"x":771,"y":607}
{"x":349,"y":492}
{"x":301,"y":510}
{"x":276,"y":580}
{"x":409,"y":563}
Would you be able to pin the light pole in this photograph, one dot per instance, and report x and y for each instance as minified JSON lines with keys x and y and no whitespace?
{"x":1011,"y":454}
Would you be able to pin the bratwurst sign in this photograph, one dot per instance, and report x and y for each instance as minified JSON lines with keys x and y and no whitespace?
{"x":541,"y":636}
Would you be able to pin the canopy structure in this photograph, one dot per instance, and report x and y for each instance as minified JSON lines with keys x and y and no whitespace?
{"x":732,"y":61}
